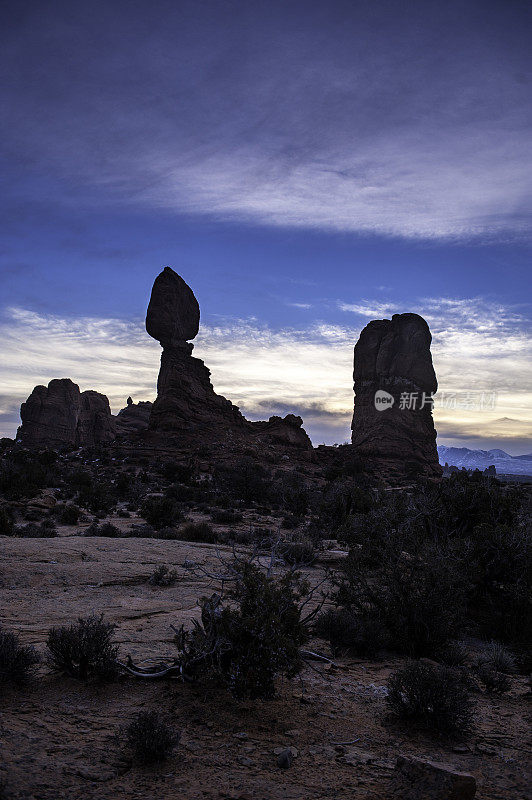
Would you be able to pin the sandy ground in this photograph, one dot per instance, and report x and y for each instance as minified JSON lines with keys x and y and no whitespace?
{"x":59,"y":738}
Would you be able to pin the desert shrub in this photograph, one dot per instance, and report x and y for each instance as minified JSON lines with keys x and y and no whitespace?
{"x":146,"y":532}
{"x":163,"y":576}
{"x":246,"y":538}
{"x":98,"y":497}
{"x":349,"y":632}
{"x":498,"y":657}
{"x":84,"y":650}
{"x":499,"y":554}
{"x":6,"y":522}
{"x":24,"y":473}
{"x":197,"y":532}
{"x":44,"y":530}
{"x":492,"y":668}
{"x":452,"y":653}
{"x":506,"y":612}
{"x":247,"y":642}
{"x":184,"y":494}
{"x":417,"y":596}
{"x":69,"y":514}
{"x":105,"y":529}
{"x":17,"y":661}
{"x":290,"y":522}
{"x":433,"y":695}
{"x":149,"y":739}
{"x":466,"y":504}
{"x":161,"y":512}
{"x":340,"y":501}
{"x":245,"y":481}
{"x":174,"y":472}
{"x":492,"y":681}
{"x":226,"y":516}
{"x":291,"y":493}
{"x":295,"y":553}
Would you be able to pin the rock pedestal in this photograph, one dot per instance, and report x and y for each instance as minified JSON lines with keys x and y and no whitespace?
{"x":186,"y":401}
{"x":392,"y":430}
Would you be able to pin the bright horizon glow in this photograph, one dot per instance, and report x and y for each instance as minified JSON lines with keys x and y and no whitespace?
{"x":306,"y":371}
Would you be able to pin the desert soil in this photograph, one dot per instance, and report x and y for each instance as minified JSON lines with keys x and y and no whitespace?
{"x":60,"y":739}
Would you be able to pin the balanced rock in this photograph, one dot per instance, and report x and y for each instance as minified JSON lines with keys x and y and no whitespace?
{"x":186,"y":403}
{"x":186,"y":400}
{"x":59,"y":415}
{"x":394,"y":380}
{"x":173,"y":312}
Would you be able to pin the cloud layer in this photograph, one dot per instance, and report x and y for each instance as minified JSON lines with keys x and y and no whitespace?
{"x":358,"y":117}
{"x":478,"y":346}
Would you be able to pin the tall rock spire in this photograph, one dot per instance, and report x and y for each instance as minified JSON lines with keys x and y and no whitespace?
{"x":394,"y":380}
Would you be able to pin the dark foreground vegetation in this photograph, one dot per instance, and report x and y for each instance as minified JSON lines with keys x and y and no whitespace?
{"x":427,"y":570}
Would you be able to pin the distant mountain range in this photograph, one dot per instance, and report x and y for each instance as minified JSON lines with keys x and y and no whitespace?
{"x":480,"y":459}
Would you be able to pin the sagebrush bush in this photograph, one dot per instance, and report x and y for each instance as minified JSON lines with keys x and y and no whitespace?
{"x":498,"y":657}
{"x":492,"y":668}
{"x":348,"y":632}
{"x":69,"y":514}
{"x":245,"y":481}
{"x":105,"y":529}
{"x":226,"y":516}
{"x":149,"y":739}
{"x":6,"y":522}
{"x":417,"y":596}
{"x":97,"y":496}
{"x":17,"y":661}
{"x":163,"y":576}
{"x":197,"y":532}
{"x":161,"y":512}
{"x":44,"y":530}
{"x":433,"y":695}
{"x":84,"y":650}
{"x":453,"y":654}
{"x":298,"y":553}
{"x":246,"y":644}
{"x":493,"y":682}
{"x":290,"y":522}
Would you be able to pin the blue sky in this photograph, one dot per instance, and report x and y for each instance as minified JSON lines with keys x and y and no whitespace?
{"x":305,"y":166}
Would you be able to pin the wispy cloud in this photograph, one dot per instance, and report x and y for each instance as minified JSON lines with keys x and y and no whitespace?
{"x":477,"y":345}
{"x":394,"y":123}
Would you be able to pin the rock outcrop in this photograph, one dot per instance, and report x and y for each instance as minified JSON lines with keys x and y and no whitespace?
{"x":394,"y":380}
{"x":59,"y":415}
{"x":415,"y":779}
{"x":133,"y":418}
{"x":186,"y":401}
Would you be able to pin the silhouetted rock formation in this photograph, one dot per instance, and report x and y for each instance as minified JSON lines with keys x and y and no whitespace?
{"x":287,"y":431}
{"x":133,"y":418}
{"x":61,"y":416}
{"x":173,"y":312}
{"x":186,"y":401}
{"x":399,"y":439}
